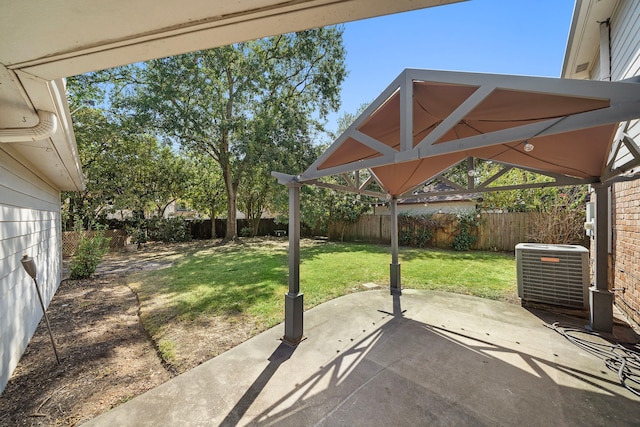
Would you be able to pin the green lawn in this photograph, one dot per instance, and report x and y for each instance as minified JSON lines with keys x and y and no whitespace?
{"x":251,"y":279}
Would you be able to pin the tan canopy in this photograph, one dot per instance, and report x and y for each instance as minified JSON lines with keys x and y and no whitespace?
{"x":427,"y":121}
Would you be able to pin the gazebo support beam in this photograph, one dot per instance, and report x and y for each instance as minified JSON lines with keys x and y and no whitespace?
{"x":395,"y":284}
{"x":293,"y":300}
{"x":600,"y":298}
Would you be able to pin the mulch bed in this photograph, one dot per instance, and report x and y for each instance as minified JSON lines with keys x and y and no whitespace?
{"x":106,"y":358}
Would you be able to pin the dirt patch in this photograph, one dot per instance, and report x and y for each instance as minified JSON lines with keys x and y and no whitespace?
{"x":106,"y":356}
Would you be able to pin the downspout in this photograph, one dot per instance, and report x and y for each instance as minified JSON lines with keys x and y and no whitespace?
{"x":45,"y":129}
{"x":605,"y":50}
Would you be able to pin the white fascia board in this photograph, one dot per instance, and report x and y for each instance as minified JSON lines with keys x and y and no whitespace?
{"x":208,"y":26}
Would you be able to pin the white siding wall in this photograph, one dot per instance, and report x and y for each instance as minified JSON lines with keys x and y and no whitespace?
{"x":625,"y":57}
{"x":625,"y":48}
{"x":29,"y":224}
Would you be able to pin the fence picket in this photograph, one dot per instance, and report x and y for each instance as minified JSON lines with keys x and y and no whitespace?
{"x":498,"y":231}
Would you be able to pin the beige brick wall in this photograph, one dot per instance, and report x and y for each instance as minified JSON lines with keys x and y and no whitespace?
{"x":626,"y":244}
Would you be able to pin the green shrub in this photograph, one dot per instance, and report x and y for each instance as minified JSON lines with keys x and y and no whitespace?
{"x":89,"y":255}
{"x":466,"y":226}
{"x":405,"y":237}
{"x":168,"y":230}
{"x":418,"y":229}
{"x":245,"y":232}
{"x":422,"y":237}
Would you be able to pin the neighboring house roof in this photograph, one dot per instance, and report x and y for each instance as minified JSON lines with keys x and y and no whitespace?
{"x":436,"y":193}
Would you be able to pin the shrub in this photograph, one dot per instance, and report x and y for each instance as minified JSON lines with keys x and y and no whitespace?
{"x":405,"y":237}
{"x":418,"y":229}
{"x":168,"y":230}
{"x":466,"y":226}
{"x":246,"y":232}
{"x":89,"y":254}
{"x":422,"y":237}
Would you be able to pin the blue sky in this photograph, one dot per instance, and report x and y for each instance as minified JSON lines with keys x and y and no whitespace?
{"x":526,"y":37}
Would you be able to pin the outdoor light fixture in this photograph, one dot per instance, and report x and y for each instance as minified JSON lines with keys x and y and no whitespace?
{"x":30,"y":267}
{"x":471,"y":172}
{"x":528,"y":147}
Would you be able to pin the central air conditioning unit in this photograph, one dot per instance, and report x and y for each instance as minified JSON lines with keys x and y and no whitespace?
{"x":553,"y":274}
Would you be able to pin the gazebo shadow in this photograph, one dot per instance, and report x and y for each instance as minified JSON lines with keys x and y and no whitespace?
{"x":407,"y":372}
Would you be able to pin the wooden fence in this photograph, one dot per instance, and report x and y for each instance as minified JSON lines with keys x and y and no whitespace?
{"x":497,"y":232}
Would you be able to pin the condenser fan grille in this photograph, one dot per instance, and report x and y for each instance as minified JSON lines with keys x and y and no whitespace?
{"x":553,"y":274}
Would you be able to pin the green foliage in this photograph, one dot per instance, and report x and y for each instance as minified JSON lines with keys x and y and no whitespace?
{"x":347,"y":208}
{"x":523,"y":200}
{"x":250,"y":107}
{"x":246,"y":232}
{"x":124,"y":169}
{"x":422,"y":237}
{"x":136,"y":228}
{"x":466,"y":230}
{"x":405,"y":237}
{"x":416,"y":229}
{"x":90,"y":252}
{"x":168,"y":230}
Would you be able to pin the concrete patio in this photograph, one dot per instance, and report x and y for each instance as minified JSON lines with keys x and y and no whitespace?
{"x":425,"y":358}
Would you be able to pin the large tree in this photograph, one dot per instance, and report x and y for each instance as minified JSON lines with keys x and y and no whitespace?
{"x":226,"y":102}
{"x":205,"y":190}
{"x":123,"y":169}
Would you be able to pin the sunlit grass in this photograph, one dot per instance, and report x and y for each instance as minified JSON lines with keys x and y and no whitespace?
{"x":251,"y":279}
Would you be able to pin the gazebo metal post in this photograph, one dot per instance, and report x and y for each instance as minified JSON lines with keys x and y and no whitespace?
{"x":600,"y":298}
{"x":293,"y":304}
{"x":394,"y":278}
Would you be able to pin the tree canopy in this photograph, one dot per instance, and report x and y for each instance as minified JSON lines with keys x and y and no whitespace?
{"x":248,"y":106}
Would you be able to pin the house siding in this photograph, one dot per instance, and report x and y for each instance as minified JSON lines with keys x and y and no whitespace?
{"x":29,"y":224}
{"x":625,"y":63}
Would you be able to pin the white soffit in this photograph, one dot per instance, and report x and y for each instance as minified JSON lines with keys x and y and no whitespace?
{"x":59,"y":38}
{"x":43,"y":41}
{"x":584,"y":37}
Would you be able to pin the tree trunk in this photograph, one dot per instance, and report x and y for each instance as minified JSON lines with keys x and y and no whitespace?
{"x":232,"y":191}
{"x":212,"y":215}
{"x":255,"y":226}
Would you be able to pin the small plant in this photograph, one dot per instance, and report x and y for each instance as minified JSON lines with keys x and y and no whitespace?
{"x":405,"y":237}
{"x":90,"y":252}
{"x":418,"y":229}
{"x":245,"y":232}
{"x":422,"y":237}
{"x":467,"y":226}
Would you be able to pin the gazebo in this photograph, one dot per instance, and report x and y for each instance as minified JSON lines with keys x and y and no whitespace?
{"x":426,"y":122}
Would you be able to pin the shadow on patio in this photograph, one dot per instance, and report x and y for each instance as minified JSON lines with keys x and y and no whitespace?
{"x":426,"y":358}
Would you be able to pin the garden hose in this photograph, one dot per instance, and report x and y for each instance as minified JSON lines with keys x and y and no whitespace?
{"x":624,"y":359}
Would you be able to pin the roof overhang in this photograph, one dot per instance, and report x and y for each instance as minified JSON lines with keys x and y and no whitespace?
{"x":584,"y":37}
{"x":45,"y":41}
{"x":428,"y":121}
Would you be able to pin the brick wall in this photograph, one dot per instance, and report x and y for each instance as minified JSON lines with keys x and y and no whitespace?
{"x":626,"y":246}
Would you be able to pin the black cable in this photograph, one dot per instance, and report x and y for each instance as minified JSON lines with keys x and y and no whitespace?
{"x":621,"y":359}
